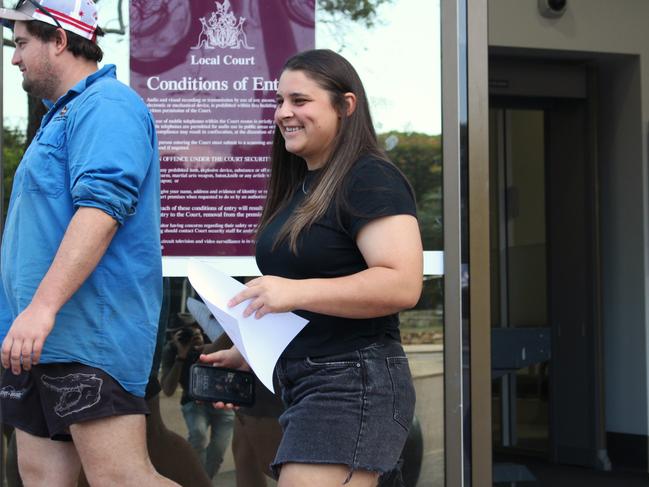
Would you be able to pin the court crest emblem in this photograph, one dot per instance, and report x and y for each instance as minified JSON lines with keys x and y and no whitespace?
{"x":222,"y":29}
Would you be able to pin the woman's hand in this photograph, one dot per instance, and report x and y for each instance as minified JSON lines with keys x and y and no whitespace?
{"x":268,"y":294}
{"x":231,"y":359}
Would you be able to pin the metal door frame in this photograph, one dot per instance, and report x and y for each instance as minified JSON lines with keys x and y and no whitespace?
{"x":465,"y":132}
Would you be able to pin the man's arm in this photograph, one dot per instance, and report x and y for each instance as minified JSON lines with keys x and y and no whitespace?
{"x":84,"y":243}
{"x":175,"y":355}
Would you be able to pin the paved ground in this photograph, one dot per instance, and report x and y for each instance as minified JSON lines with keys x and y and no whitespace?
{"x":547,"y":475}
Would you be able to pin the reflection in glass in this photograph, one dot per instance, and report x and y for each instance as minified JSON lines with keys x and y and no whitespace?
{"x":398,"y":56}
{"x":398,"y":59}
{"x":422,"y":335}
{"x":520,"y":401}
{"x":250,"y":435}
{"x":257,"y":433}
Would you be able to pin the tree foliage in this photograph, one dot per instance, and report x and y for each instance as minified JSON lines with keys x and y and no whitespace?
{"x":13,"y":146}
{"x":363,"y":11}
{"x":419,"y":156}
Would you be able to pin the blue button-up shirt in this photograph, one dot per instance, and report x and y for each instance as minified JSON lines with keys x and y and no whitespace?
{"x":96,"y":147}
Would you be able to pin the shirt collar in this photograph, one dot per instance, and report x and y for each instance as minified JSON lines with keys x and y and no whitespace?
{"x":109,"y":71}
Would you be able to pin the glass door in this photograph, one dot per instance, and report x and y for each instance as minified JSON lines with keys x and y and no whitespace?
{"x":519,"y":282}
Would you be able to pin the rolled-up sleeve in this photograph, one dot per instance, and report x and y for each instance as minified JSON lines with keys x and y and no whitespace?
{"x":109,"y":155}
{"x":6,"y":317}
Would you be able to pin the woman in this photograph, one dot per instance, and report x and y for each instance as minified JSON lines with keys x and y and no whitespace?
{"x":339,"y":244}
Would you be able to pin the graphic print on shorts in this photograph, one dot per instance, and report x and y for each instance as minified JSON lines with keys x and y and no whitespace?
{"x":77,"y":392}
{"x":9,"y":392}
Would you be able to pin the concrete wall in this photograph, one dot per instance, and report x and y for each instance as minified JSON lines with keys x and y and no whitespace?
{"x":623,"y":211}
{"x":596,"y":28}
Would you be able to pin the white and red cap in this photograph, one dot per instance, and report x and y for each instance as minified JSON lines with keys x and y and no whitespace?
{"x":78,"y":16}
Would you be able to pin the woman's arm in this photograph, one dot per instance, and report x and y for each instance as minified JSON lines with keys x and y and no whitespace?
{"x":392,"y":249}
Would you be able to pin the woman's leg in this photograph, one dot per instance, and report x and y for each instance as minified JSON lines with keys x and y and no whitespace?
{"x":313,"y":475}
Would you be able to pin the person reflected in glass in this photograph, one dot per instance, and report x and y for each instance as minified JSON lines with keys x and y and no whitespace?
{"x":339,"y":244}
{"x":209,"y":429}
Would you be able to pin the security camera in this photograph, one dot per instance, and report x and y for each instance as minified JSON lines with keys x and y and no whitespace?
{"x":552,"y":8}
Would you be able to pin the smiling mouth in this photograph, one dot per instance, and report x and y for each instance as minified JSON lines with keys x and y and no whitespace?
{"x":292,"y":130}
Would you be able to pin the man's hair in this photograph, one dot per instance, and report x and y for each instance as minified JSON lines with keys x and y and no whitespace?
{"x":77,"y":45}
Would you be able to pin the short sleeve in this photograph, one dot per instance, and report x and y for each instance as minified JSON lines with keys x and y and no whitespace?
{"x":109,"y":151}
{"x":375,"y":189}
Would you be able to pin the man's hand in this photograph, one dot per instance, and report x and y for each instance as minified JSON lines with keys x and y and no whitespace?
{"x":86,"y":239}
{"x":21,"y":348}
{"x":182,"y":349}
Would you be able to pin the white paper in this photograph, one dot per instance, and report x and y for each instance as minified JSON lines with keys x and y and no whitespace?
{"x":261,"y":341}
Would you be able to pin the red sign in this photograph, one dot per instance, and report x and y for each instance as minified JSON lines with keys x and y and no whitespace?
{"x":208,"y":71}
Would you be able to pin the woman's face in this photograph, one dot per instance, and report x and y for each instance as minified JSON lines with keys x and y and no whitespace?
{"x":306,"y":118}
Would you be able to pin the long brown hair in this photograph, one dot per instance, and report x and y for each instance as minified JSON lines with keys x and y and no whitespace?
{"x":356,"y":137}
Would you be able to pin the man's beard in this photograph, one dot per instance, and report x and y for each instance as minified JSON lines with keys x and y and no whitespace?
{"x":45,"y":85}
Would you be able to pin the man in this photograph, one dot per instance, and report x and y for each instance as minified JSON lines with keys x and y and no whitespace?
{"x":209,"y":429}
{"x":80,"y":276}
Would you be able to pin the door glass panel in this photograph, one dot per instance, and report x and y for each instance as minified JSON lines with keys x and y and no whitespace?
{"x":386,"y":44}
{"x":407,"y":117}
{"x":525,"y":207}
{"x":519,"y":274}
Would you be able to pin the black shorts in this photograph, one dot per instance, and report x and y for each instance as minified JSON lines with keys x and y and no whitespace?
{"x":352,"y":408}
{"x":46,"y":400}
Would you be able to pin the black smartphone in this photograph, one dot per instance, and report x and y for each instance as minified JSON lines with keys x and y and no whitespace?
{"x":213,"y":384}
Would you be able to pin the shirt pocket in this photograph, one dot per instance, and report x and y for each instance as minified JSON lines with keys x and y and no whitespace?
{"x":46,"y":164}
{"x":403,"y":390}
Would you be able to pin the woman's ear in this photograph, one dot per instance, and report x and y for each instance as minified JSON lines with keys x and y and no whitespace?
{"x":350,"y":101}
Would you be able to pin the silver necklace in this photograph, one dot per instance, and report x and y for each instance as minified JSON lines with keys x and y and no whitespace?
{"x":303,"y":188}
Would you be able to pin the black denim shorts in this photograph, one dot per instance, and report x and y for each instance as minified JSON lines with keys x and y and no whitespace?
{"x":46,"y":400}
{"x":350,"y":409}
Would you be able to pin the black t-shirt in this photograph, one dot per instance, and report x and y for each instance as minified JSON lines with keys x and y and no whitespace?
{"x":373,"y":189}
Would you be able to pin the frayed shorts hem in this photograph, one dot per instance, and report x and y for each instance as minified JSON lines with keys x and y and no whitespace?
{"x":352,"y":409}
{"x":277,"y":467}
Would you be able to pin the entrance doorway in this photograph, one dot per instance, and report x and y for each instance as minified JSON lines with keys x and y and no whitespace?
{"x":545,"y":272}
{"x":519,"y":273}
